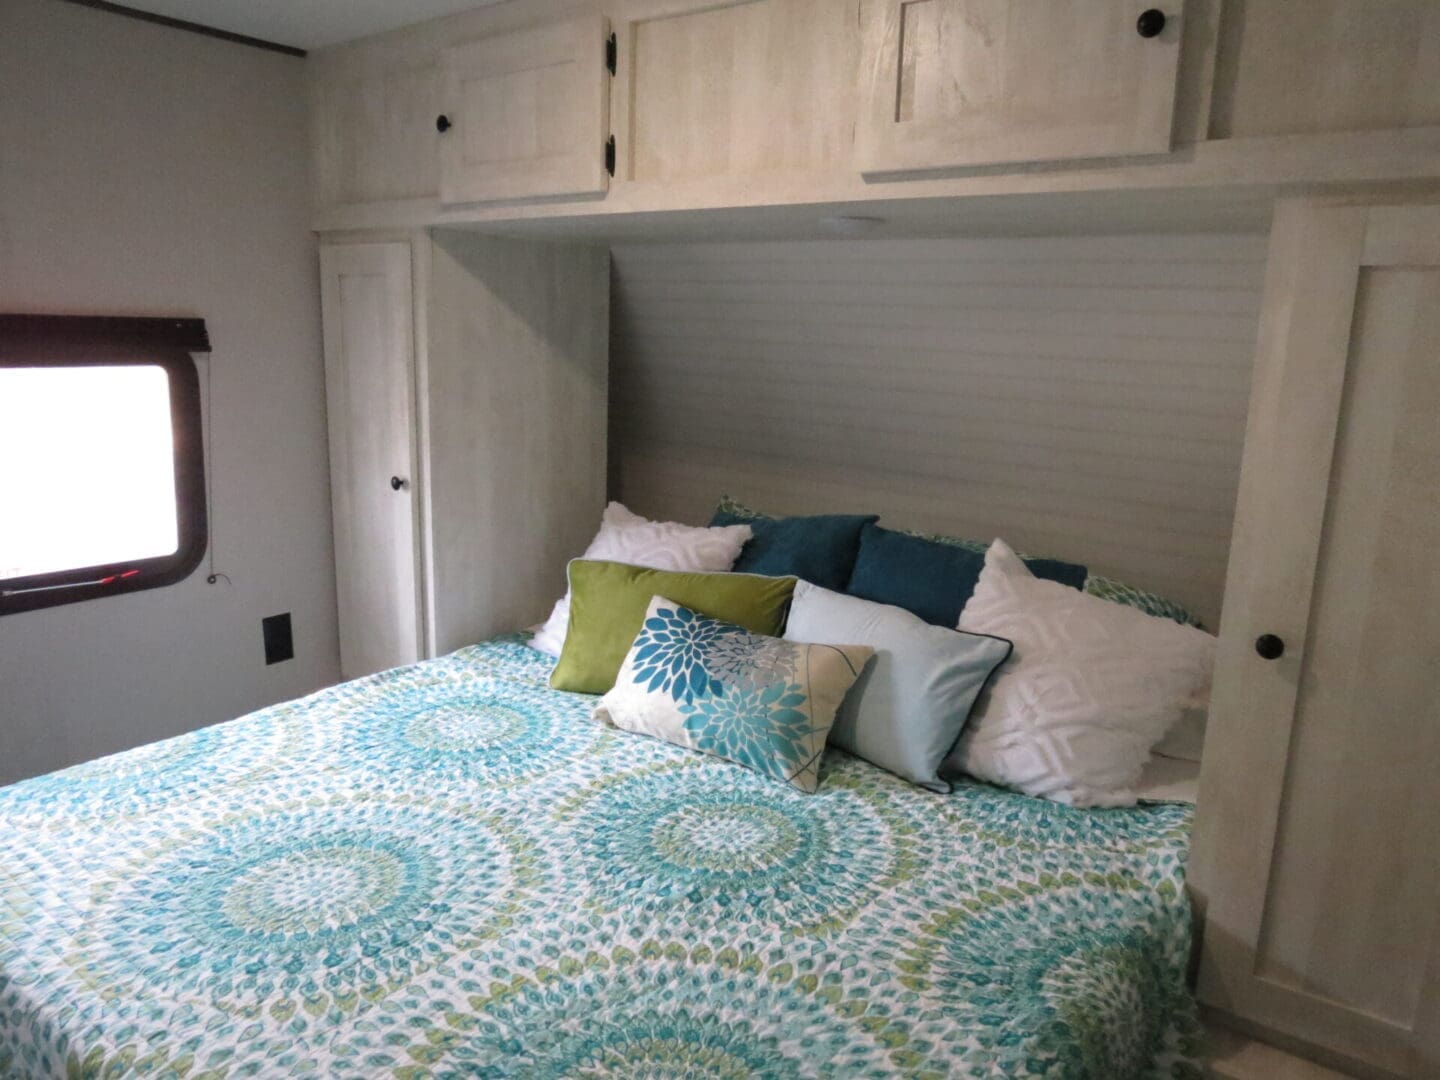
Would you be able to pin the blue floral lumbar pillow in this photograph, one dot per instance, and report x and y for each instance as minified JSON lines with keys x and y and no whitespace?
{"x":715,"y":687}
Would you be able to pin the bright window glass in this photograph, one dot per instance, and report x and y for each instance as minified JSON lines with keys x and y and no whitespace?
{"x":87,"y":456}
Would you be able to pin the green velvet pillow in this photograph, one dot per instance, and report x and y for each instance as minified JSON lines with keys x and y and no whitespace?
{"x":608,"y":602}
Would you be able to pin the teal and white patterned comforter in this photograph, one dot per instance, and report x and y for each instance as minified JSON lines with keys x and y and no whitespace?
{"x":449,"y":870}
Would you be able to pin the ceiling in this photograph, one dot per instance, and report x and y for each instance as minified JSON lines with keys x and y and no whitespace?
{"x":304,"y":24}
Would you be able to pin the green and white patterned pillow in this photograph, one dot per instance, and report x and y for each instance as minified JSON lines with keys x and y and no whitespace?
{"x":1095,"y":585}
{"x":707,"y":685}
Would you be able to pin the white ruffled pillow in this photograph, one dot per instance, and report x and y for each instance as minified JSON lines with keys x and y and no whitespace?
{"x":656,"y":545}
{"x":1089,"y":689}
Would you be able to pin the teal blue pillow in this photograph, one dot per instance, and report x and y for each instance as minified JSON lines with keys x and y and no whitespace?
{"x":820,"y":549}
{"x":929,"y":578}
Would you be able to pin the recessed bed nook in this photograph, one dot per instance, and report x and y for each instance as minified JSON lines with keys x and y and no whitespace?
{"x":789,"y":539}
{"x":907,"y":801}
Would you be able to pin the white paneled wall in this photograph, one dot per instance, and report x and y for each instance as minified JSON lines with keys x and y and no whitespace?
{"x":1083,"y":397}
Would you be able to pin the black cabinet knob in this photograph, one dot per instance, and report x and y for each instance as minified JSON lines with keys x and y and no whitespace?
{"x":1269,"y":647}
{"x":396,"y":483}
{"x":442,"y":122}
{"x":1150,"y":23}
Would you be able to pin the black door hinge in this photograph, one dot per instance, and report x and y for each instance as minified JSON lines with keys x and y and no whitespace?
{"x":610,"y":155}
{"x":612,"y":53}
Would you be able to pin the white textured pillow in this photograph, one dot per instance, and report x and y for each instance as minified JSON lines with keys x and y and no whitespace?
{"x":656,"y":545}
{"x":1089,"y":689}
{"x":1186,"y":740}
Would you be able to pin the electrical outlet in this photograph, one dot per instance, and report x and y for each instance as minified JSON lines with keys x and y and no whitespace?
{"x":279,"y":642}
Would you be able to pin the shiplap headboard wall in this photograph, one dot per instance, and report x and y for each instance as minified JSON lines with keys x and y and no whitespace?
{"x":1082,"y":397}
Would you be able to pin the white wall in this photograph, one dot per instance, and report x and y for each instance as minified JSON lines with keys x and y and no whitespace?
{"x":1084,"y":397}
{"x":148,"y":171}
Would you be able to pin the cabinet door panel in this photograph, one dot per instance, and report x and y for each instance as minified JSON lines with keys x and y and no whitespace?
{"x":1327,"y":65}
{"x":375,"y":136}
{"x":367,"y":312}
{"x":529,"y":112}
{"x":746,"y":88}
{"x":954,"y":83}
{"x":1317,"y":849}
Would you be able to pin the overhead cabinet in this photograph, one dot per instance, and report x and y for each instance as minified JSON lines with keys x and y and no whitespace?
{"x":747,"y":89}
{"x":1328,"y":65}
{"x":526,"y":113}
{"x":721,"y":104}
{"x":373,"y":130}
{"x":953,"y":83}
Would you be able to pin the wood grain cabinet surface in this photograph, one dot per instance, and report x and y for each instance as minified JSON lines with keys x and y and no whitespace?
{"x":739,"y":89}
{"x":526,"y":113}
{"x":373,"y":134}
{"x":366,"y":300}
{"x":1317,"y":842}
{"x":949,"y":83}
{"x":467,"y":379}
{"x":734,"y":104}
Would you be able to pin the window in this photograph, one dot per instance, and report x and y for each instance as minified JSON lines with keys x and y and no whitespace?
{"x":102,"y":486}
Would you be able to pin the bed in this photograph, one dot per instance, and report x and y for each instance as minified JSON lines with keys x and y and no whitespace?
{"x":449,"y":870}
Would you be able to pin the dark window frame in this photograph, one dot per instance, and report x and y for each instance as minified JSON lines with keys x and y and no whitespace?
{"x":76,"y":342}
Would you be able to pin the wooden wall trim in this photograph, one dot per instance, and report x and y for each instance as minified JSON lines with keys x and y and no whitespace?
{"x":189,"y":27}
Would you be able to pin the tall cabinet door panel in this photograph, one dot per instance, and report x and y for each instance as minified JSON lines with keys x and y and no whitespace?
{"x":527,"y":113}
{"x":1317,"y":847}
{"x":957,"y":83}
{"x":369,"y":378}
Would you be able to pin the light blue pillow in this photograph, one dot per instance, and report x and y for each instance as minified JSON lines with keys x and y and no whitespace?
{"x":908,"y":707}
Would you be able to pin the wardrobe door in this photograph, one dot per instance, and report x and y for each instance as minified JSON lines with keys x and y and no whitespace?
{"x":367,"y":309}
{"x":953,"y":83}
{"x":1317,"y":846}
{"x":526,"y":113}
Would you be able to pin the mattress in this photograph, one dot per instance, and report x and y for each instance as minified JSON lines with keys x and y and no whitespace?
{"x":450,"y":870}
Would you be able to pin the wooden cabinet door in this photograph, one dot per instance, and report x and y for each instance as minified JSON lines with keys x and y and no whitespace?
{"x":366,"y":305}
{"x":1317,"y":846}
{"x":373,"y":130}
{"x":740,"y":88}
{"x":1327,"y":65}
{"x":528,"y":113}
{"x":956,"y":83}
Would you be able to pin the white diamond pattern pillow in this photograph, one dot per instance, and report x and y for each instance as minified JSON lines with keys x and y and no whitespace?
{"x":656,"y":545}
{"x":1090,"y":687}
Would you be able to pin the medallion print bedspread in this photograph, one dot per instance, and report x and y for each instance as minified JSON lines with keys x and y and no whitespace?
{"x":449,"y":870}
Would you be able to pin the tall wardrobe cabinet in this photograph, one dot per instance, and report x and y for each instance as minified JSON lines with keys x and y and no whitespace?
{"x":466,"y":381}
{"x":1316,"y":853}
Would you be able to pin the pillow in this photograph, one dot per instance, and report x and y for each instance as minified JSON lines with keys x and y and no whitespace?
{"x":1150,"y":603}
{"x":1094,"y":584}
{"x":908,"y":706}
{"x":608,"y":602}
{"x":1186,"y":740}
{"x":709,"y":685}
{"x":663,"y":545}
{"x":820,"y":549}
{"x":930,"y":578}
{"x":1090,"y":688}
